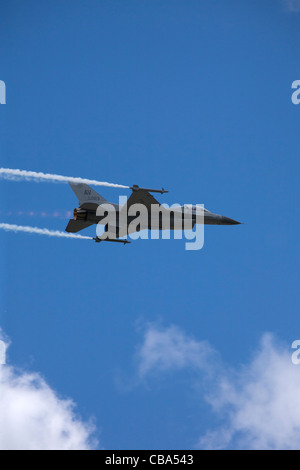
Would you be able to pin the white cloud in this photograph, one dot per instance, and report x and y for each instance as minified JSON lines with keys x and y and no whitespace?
{"x":33,"y":417}
{"x":257,"y":405}
{"x":260,"y":402}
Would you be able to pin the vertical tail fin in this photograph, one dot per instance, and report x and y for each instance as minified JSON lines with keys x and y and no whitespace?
{"x":86,"y":194}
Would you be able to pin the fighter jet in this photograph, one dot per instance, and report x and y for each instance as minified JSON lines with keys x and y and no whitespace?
{"x":141,"y":211}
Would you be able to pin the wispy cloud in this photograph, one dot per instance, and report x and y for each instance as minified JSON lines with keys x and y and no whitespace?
{"x":170,"y":349}
{"x":292,"y":5}
{"x":257,"y":405}
{"x":33,"y":417}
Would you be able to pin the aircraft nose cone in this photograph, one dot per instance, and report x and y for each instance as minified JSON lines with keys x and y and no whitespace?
{"x":227,"y":221}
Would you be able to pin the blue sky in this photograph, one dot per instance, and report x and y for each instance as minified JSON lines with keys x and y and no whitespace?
{"x":193,"y":96}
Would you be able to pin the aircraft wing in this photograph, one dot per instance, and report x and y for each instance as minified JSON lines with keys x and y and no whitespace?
{"x":138,"y":196}
{"x":141,"y":197}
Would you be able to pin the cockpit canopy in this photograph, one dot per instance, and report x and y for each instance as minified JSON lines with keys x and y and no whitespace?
{"x":194,"y":208}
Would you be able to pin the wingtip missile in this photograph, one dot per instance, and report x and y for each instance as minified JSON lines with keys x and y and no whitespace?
{"x":135,"y":187}
{"x":98,"y":240}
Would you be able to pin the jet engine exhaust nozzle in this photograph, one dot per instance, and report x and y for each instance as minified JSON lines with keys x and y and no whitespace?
{"x":79,"y":214}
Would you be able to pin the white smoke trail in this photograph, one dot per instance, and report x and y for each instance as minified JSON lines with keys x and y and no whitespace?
{"x":17,"y":175}
{"x":41,"y":231}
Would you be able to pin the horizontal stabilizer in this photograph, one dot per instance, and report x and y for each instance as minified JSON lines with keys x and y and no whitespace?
{"x":75,"y":226}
